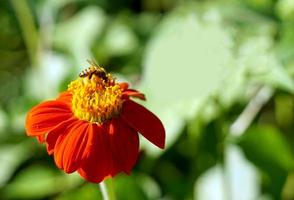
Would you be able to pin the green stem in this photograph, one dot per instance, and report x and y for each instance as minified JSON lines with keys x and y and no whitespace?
{"x":107,"y":190}
{"x":103,"y":190}
{"x":29,"y":30}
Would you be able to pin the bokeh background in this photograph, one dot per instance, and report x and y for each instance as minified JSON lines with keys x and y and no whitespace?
{"x":218,"y":73}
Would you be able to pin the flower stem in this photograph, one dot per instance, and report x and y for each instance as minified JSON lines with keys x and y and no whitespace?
{"x":29,"y":31}
{"x":103,"y":190}
{"x":107,"y":190}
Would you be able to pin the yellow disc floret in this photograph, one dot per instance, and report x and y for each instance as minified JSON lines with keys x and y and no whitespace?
{"x":95,"y":96}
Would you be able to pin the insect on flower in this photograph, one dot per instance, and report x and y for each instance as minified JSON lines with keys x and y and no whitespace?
{"x":94,"y":69}
{"x":92,"y":128}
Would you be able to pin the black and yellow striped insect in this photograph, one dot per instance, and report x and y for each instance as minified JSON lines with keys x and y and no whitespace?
{"x":94,"y":69}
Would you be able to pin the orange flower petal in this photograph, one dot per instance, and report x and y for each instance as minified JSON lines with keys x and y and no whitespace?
{"x":99,"y":163}
{"x":45,"y":116}
{"x":134,"y":93}
{"x":145,"y":122}
{"x":124,"y":144}
{"x":124,"y":86}
{"x":114,"y":149}
{"x":130,"y":92}
{"x":53,"y":135}
{"x":65,"y":97}
{"x":40,"y":138}
{"x":72,"y":146}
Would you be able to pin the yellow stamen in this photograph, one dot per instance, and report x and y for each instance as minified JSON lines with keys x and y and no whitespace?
{"x":95,"y":96}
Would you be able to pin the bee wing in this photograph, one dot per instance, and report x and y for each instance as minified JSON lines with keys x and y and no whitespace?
{"x":93,"y":63}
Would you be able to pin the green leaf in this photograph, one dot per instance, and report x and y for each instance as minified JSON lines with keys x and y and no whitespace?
{"x":285,"y":50}
{"x":126,"y":187}
{"x":77,"y":34}
{"x":88,"y":191}
{"x":11,"y":156}
{"x":262,"y":5}
{"x":120,"y":40}
{"x":284,"y":110}
{"x":266,"y":147}
{"x":181,"y":66}
{"x":285,"y":9}
{"x":149,"y":186}
{"x":259,"y":61}
{"x":39,"y":181}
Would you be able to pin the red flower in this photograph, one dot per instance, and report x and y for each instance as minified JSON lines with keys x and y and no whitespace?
{"x":93,"y":127}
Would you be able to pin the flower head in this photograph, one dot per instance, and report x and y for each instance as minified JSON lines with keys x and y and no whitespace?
{"x":93,"y":127}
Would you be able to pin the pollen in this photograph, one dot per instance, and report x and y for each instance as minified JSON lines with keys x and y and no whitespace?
{"x":95,"y":96}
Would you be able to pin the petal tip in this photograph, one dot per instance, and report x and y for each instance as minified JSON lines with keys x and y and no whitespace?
{"x":145,"y":122}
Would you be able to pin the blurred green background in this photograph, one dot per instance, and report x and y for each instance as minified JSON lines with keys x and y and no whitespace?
{"x":218,"y":73}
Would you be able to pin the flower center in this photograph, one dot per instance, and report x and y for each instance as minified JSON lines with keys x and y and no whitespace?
{"x":95,"y":95}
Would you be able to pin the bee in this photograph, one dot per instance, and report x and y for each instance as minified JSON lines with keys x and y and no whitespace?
{"x":96,"y":70}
